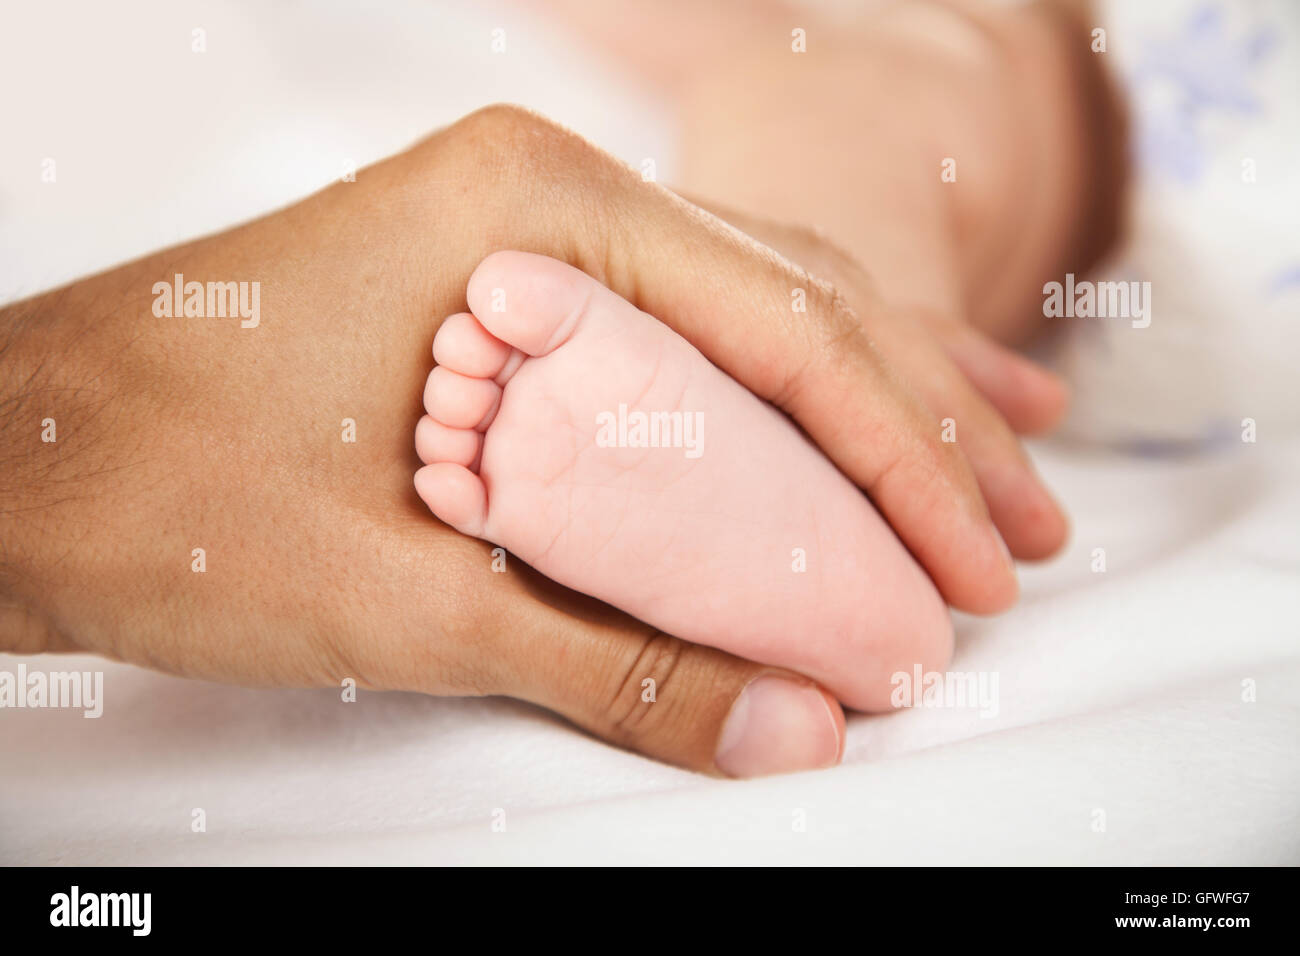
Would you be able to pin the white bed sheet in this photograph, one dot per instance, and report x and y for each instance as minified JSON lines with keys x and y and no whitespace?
{"x":1120,"y":692}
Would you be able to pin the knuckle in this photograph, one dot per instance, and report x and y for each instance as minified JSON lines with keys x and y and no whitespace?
{"x":520,"y":160}
{"x":838,"y":329}
{"x":498,"y":118}
{"x":924,"y":462}
{"x":835,"y":339}
{"x":824,"y":257}
{"x":500,"y":137}
{"x":514,"y":138}
{"x":659,"y":659}
{"x":843,"y":343}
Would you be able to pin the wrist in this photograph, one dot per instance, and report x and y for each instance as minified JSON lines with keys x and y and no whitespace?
{"x":20,"y":429}
{"x":46,"y":422}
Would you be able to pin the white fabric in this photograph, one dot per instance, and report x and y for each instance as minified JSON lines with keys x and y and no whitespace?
{"x":1121,"y":693}
{"x":1215,"y":230}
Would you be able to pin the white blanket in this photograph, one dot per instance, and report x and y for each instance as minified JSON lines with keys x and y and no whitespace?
{"x":1146,"y":713}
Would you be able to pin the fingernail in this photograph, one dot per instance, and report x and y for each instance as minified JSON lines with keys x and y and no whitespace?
{"x":778,"y":726}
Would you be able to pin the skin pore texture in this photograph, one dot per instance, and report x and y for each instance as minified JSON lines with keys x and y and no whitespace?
{"x":732,"y":530}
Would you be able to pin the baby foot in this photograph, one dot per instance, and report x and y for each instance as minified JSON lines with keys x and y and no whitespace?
{"x":602,"y":448}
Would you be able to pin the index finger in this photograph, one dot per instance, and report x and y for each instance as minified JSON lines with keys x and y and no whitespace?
{"x":786,"y":336}
{"x":792,"y":340}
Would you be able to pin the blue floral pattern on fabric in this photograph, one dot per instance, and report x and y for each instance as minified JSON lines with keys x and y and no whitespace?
{"x":1182,"y":77}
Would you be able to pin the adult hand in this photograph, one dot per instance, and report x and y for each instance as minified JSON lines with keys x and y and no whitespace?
{"x":987,"y":392}
{"x":319,"y":561}
{"x":951,"y":147}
